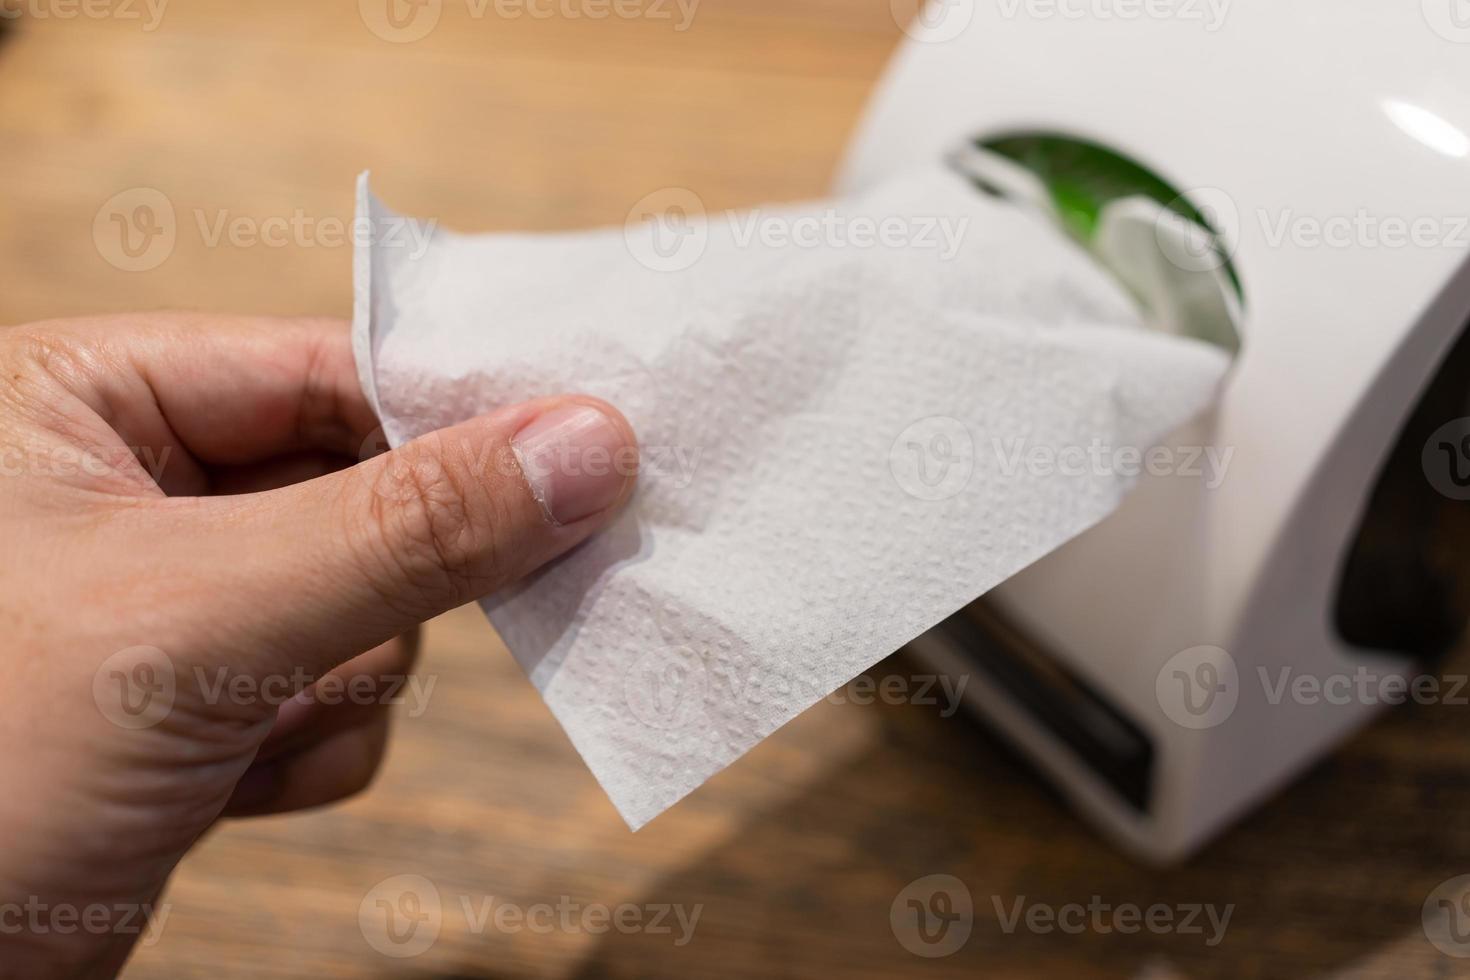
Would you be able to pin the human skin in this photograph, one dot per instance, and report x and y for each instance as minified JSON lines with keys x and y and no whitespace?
{"x":184,"y":498}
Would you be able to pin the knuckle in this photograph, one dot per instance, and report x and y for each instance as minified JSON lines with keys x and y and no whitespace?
{"x":53,"y":357}
{"x":42,"y":351}
{"x":433,"y":528}
{"x":42,"y":368}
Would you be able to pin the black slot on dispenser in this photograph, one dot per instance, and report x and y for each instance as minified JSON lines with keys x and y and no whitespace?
{"x":1405,"y":586}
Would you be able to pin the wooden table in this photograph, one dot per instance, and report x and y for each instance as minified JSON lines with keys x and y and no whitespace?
{"x":793,"y":856}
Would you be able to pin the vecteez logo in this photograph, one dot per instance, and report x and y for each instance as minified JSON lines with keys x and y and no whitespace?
{"x":666,"y":688}
{"x":933,"y":916}
{"x":933,"y":21}
{"x":933,"y":459}
{"x":135,"y":687}
{"x":1207,"y":14}
{"x":135,"y":230}
{"x":1446,"y":459}
{"x":401,"y":916}
{"x":401,"y":21}
{"x":1446,"y":917}
{"x":1450,"y":19}
{"x":1193,"y":247}
{"x":1198,"y":688}
{"x":667,"y":230}
{"x":148,"y":13}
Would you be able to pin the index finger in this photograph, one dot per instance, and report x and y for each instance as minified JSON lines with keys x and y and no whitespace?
{"x":226,"y":389}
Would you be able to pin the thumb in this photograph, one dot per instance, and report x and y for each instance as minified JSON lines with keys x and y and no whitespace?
{"x":331,"y":567}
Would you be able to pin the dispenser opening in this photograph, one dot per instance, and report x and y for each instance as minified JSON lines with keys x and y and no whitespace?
{"x":1405,"y":585}
{"x":1169,"y":249}
{"x":1085,"y":722}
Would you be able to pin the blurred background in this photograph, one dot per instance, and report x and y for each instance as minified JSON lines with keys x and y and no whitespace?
{"x":201,"y":154}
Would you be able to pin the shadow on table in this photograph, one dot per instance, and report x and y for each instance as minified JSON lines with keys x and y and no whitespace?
{"x":1332,"y":873}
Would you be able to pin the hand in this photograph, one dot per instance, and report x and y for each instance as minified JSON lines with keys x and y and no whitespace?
{"x":190,"y":538}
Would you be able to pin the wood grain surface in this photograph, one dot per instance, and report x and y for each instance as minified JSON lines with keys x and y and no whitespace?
{"x":792,"y":857}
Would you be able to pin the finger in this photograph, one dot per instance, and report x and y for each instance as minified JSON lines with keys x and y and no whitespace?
{"x":370,"y":684}
{"x":331,"y":769}
{"x":303,"y":762}
{"x":217,"y":389}
{"x":309,"y":575}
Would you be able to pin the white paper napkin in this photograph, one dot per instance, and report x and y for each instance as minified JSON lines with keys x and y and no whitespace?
{"x":846,"y":409}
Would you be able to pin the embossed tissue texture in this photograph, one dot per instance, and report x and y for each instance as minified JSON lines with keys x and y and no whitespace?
{"x":830,"y":435}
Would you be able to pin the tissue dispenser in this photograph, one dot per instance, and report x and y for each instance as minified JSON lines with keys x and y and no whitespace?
{"x":1141,"y":666}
